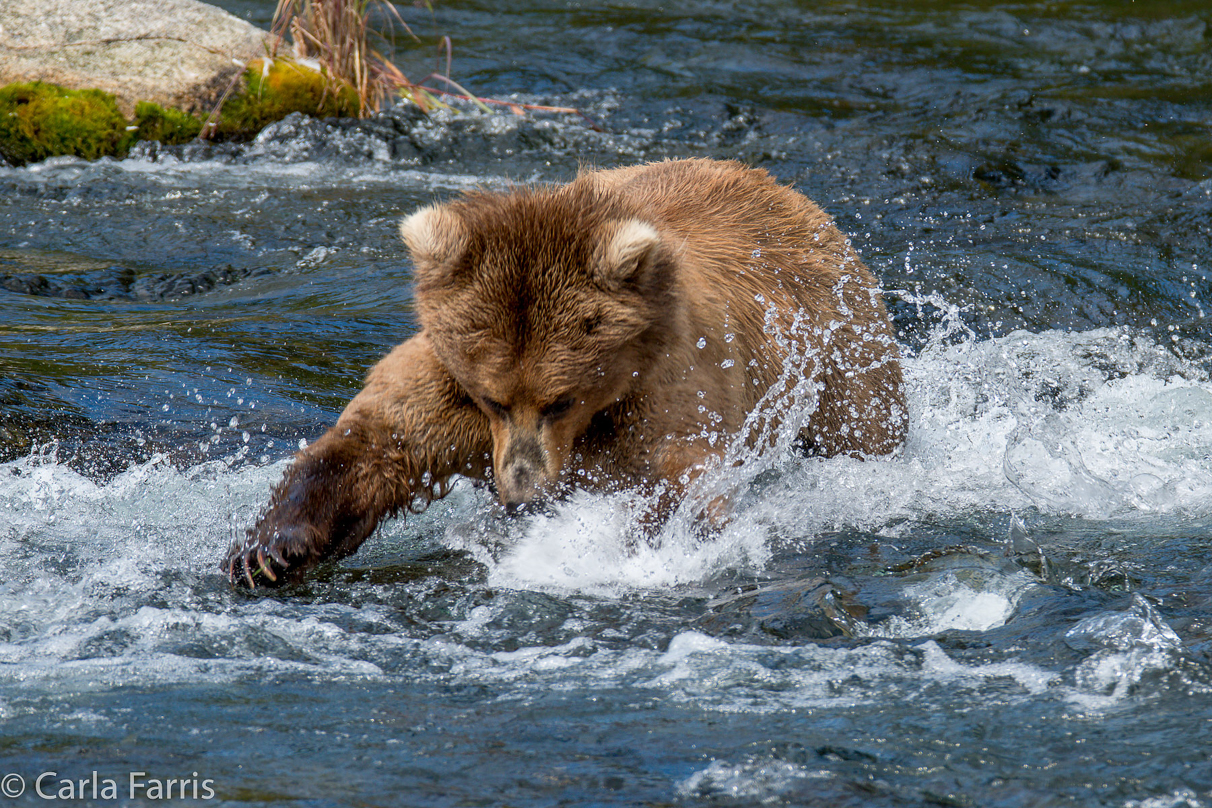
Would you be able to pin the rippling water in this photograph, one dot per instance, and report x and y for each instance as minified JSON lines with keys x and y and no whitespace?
{"x":1015,"y":611}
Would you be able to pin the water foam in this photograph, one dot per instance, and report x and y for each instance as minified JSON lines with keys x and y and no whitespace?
{"x":734,"y":677}
{"x":77,"y":552}
{"x":296,"y":174}
{"x":1126,"y":646}
{"x":764,"y":781}
{"x":977,"y":600}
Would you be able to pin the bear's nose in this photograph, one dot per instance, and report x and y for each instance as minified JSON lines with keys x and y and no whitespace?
{"x":518,"y":508}
{"x":522,"y":482}
{"x":521,"y":475}
{"x":538,"y":505}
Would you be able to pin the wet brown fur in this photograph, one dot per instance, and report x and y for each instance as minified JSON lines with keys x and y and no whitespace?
{"x":560,"y":346}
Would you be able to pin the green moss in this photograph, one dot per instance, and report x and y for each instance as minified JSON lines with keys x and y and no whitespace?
{"x":271,"y":94}
{"x":168,"y":126}
{"x":39,"y":120}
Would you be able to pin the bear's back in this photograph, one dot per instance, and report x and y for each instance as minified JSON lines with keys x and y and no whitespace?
{"x":765,"y":273}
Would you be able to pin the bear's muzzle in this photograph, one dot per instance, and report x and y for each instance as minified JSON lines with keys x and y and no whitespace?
{"x":521,"y":472}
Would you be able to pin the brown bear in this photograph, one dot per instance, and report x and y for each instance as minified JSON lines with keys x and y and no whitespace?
{"x":611,"y":332}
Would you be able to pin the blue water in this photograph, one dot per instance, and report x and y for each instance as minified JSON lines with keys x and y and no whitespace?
{"x":1014,"y":611}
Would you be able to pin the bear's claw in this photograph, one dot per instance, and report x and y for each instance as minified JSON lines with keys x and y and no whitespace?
{"x":256,"y":565}
{"x":262,"y":567}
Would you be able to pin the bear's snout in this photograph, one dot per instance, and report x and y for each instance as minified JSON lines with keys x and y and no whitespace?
{"x":521,"y":474}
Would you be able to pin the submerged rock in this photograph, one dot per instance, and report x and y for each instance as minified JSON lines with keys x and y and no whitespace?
{"x":122,"y":283}
{"x":176,"y":53}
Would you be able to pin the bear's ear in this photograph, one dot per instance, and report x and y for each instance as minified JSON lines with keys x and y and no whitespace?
{"x":436,"y":238}
{"x":629,"y":254}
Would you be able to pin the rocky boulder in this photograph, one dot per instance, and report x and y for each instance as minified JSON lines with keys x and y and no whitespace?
{"x":176,"y":53}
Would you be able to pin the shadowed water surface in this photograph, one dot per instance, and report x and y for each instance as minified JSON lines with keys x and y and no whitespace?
{"x":1017,"y":610}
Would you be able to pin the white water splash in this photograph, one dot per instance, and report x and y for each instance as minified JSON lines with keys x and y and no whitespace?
{"x":734,"y":677}
{"x":976,"y":600}
{"x":1127,"y":646}
{"x":763,"y":781}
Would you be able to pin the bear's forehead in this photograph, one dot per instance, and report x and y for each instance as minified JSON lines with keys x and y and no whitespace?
{"x":509,"y":371}
{"x":501,"y":334}
{"x":534,"y":229}
{"x":539,"y":308}
{"x":534,"y":266}
{"x":533,"y":305}
{"x":504,"y":331}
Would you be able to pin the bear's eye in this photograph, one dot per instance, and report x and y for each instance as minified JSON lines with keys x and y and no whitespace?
{"x":495,"y":407}
{"x":558,"y":408}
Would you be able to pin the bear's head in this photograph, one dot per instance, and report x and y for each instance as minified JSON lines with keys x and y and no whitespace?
{"x":547,"y":306}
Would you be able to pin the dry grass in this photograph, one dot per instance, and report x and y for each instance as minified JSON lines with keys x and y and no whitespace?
{"x":336,"y":34}
{"x":334,"y":37}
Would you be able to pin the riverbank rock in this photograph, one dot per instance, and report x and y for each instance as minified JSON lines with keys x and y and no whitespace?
{"x":176,"y":53}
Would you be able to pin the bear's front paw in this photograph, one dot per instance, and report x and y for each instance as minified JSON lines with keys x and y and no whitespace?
{"x":263,"y":561}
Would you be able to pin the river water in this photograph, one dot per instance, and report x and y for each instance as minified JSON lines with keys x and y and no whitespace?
{"x":1015,"y":611}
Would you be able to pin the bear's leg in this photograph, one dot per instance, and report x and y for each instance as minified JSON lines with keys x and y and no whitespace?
{"x":683,"y":463}
{"x":860,"y":414}
{"x":395,"y":447}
